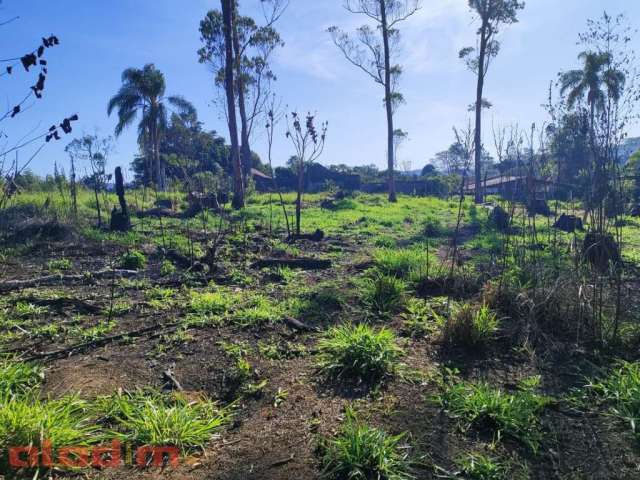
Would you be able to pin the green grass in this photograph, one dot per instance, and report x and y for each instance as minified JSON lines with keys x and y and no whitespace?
{"x":133,"y":260}
{"x":358,"y":353}
{"x":156,"y":420}
{"x":210,"y":304}
{"x":480,"y":405}
{"x":64,"y":422}
{"x":477,"y":466}
{"x":18,"y":379}
{"x":363,"y":452}
{"x":620,"y":393}
{"x":470,"y":326}
{"x":402,"y":262}
{"x":258,"y":310}
{"x":59,"y":265}
{"x":420,"y":319}
{"x":382,"y":294}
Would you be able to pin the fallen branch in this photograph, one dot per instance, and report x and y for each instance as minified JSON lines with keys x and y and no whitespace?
{"x":68,"y":351}
{"x":168,"y":375}
{"x":47,"y":280}
{"x":298,"y":325}
{"x":299,"y":263}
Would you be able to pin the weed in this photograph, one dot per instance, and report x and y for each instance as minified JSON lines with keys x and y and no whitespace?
{"x":513,"y":414}
{"x":362,"y":452}
{"x":382,"y":294}
{"x":400,"y":262}
{"x":59,"y":265}
{"x":358,"y":353}
{"x":155,"y":420}
{"x":420,"y":319}
{"x":620,"y":391}
{"x":210,"y":304}
{"x":167,"y":268}
{"x":18,"y":378}
{"x":133,"y":260}
{"x":469,"y":326}
{"x":259,"y":311}
{"x":477,"y":466}
{"x":29,"y":310}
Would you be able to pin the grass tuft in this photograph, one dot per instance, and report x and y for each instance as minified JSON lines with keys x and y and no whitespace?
{"x":358,"y":353}
{"x":362,"y":452}
{"x":383,"y":294}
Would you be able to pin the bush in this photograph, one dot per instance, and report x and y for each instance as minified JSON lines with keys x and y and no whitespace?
{"x":383,"y":294}
{"x":167,"y":268}
{"x":420,"y":319}
{"x":362,"y":452}
{"x":470,"y":327}
{"x":358,"y":353}
{"x":513,"y":414}
{"x":133,"y":260}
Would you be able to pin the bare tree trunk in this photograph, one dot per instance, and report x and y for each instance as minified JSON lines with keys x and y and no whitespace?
{"x":299,"y":196}
{"x":74,"y":189}
{"x":238,"y":183}
{"x":245,"y":148}
{"x":388,"y":103}
{"x":478,"y":129}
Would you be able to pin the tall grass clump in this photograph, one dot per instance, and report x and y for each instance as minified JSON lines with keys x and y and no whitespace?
{"x":382,"y":294}
{"x":133,"y":260}
{"x":400,"y":262}
{"x":620,"y":392}
{"x":362,"y":452}
{"x":358,"y":353}
{"x":482,"y":406}
{"x":158,"y":421}
{"x":477,"y":466}
{"x":64,"y":422}
{"x":469,"y":326}
{"x":18,"y":379}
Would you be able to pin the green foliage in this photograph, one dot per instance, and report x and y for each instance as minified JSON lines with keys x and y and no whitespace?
{"x":358,"y":353}
{"x":420,"y":319}
{"x":362,"y":452}
{"x":210,"y":304}
{"x":483,"y":406}
{"x":133,"y":260}
{"x":477,"y":466}
{"x":620,"y":391}
{"x":167,"y":268}
{"x":258,"y":311}
{"x":400,"y":262}
{"x":382,"y":294}
{"x":64,"y":422}
{"x":469,"y":326}
{"x":59,"y":265}
{"x":18,"y":379}
{"x":156,"y":420}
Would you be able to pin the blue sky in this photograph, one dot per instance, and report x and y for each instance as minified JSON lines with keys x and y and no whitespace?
{"x":99,"y":39}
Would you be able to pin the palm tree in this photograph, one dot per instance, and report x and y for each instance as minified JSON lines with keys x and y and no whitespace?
{"x":143,"y":91}
{"x":598,"y":79}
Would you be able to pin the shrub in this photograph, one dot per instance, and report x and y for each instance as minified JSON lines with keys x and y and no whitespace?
{"x":513,"y":414}
{"x":155,"y":420}
{"x":358,"y":353}
{"x":362,"y":452}
{"x":470,"y":327}
{"x":133,"y":260}
{"x":18,"y":379}
{"x":620,"y":391}
{"x":383,"y":294}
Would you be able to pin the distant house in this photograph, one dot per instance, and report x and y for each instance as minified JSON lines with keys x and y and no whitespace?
{"x":513,"y":187}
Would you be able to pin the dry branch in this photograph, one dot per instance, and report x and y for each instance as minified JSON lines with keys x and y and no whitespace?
{"x":11,"y":285}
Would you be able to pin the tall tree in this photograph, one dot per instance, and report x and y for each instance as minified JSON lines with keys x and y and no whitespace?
{"x":143,"y":92}
{"x":373,"y":53}
{"x":597,"y":81}
{"x":492,"y":14}
{"x":228,"y":7}
{"x":252,"y":46}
